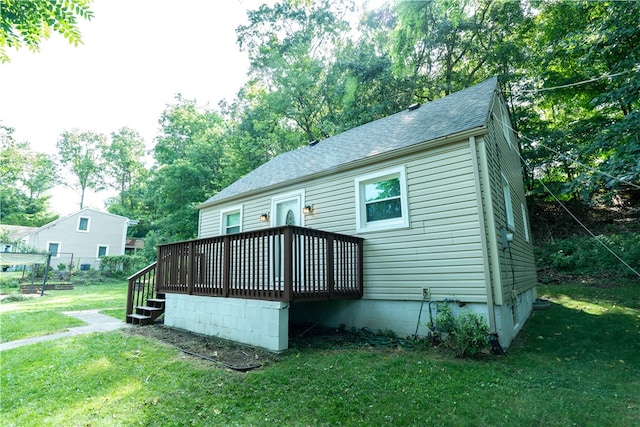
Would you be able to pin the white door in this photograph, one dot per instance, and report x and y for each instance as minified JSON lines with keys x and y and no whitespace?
{"x":287,"y":210}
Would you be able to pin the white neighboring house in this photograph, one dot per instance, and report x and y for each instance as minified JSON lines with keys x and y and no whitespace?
{"x":14,"y":233}
{"x":82,"y":238}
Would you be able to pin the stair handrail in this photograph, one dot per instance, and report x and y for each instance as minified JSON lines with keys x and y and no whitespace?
{"x":142,"y":285}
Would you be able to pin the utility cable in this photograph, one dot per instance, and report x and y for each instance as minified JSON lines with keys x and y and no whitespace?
{"x":595,"y":79}
{"x":562,"y":205}
{"x":567,"y":209}
{"x":587,"y":229}
{"x":564,"y":156}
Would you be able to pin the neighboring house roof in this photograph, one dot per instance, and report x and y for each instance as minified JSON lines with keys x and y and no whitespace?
{"x":52,"y":223}
{"x":453,"y":114}
{"x":17,"y":232}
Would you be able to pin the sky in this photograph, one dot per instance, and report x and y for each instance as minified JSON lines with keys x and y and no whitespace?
{"x":135,"y":57}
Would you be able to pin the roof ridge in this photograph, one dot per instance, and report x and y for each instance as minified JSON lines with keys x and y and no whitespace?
{"x":451,"y":114}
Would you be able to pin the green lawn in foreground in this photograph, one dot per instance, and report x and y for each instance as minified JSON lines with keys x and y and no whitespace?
{"x":43,"y":315}
{"x":577,"y":363}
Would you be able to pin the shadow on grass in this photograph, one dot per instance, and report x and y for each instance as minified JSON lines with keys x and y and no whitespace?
{"x":599,"y":326}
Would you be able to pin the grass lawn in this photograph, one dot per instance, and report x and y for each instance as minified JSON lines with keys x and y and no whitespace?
{"x":41,"y":316}
{"x":577,"y":363}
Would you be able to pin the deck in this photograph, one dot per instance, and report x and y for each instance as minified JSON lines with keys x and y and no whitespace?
{"x":287,"y":263}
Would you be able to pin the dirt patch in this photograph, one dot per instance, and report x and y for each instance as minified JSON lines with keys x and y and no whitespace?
{"x":241,"y":357}
{"x":215,"y":350}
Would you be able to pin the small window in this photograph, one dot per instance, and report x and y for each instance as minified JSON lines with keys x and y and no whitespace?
{"x":382,"y":201}
{"x":508,"y":205}
{"x":54,"y":249}
{"x":83,"y":224}
{"x":506,"y":124}
{"x":525,"y":222}
{"x":103,"y":251}
{"x":231,"y":221}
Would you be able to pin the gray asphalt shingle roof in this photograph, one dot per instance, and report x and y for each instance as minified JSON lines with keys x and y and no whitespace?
{"x":458,"y":112}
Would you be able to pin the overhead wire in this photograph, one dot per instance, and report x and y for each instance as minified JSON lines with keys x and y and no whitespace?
{"x":594,"y":79}
{"x":563,"y":205}
{"x":564,"y":156}
{"x":576,"y":161}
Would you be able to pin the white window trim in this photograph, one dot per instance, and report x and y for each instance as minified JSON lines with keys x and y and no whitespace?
{"x":98,"y":250}
{"x":508,"y":204}
{"x":506,"y":124}
{"x":387,"y":224}
{"x":227,"y":211}
{"x":57,"y":255}
{"x":300,"y":194}
{"x":525,"y":222}
{"x":88,"y":224}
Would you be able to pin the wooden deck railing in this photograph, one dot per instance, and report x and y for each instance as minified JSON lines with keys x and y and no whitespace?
{"x":285,"y":263}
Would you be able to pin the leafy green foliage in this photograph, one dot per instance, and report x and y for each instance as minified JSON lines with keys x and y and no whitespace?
{"x":123,"y":162}
{"x":470,"y":335}
{"x":121,"y":265}
{"x":467,"y":333}
{"x":189,"y":157}
{"x":25,"y":177}
{"x":583,"y":115}
{"x":28,"y":22}
{"x":81,"y":153}
{"x":586,"y":256}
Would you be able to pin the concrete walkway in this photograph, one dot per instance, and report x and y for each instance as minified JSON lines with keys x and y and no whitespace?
{"x":96,"y":322}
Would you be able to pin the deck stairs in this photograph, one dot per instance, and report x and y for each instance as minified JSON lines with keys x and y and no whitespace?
{"x":148,"y":313}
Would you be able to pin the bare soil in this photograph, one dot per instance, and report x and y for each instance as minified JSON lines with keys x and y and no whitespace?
{"x":215,"y":350}
{"x":239,"y":357}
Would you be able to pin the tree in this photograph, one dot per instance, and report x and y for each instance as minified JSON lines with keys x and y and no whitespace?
{"x":25,"y":176}
{"x":444,"y":46}
{"x":28,"y":22}
{"x":189,"y":156}
{"x":123,"y":160}
{"x":81,"y":154}
{"x":584,"y":58}
{"x":291,"y":45}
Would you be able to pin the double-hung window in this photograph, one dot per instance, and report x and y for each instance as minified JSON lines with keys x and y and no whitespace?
{"x":103,"y":250}
{"x":231,"y":221}
{"x":83,"y":223}
{"x":508,"y":204}
{"x":54,"y":249}
{"x":381,"y":200}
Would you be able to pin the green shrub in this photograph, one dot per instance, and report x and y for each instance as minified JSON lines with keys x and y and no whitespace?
{"x":14,"y":297}
{"x":119,"y":265}
{"x":467,"y":334}
{"x":586,"y":255}
{"x":444,"y":321}
{"x":470,"y":335}
{"x":9,"y":283}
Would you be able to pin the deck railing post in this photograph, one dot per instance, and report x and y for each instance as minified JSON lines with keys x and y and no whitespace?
{"x":226,"y":265}
{"x":159,"y":270}
{"x":360,"y":245}
{"x":288,"y":264}
{"x":191,"y":267}
{"x":130,"y":296}
{"x":330,"y":267}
